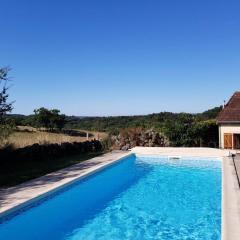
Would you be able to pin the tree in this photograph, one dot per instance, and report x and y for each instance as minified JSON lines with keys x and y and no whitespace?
{"x":206,"y":132}
{"x":211,"y":113}
{"x":58,"y":120}
{"x":5,"y":106}
{"x":42,"y":117}
{"x":49,"y":119}
{"x":178,"y":130}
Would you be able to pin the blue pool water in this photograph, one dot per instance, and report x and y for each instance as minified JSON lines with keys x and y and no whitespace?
{"x":137,"y":198}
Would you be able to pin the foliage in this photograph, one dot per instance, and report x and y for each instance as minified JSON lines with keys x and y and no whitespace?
{"x":5,"y":106}
{"x":49,"y":119}
{"x":207,"y":133}
{"x":211,"y":113}
{"x":5,"y":131}
{"x":182,"y":129}
{"x":178,"y":130}
{"x":189,"y":132}
{"x":106,"y":143}
{"x":155,"y":120}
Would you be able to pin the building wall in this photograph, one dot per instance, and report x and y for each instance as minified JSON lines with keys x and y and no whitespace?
{"x":227,"y":128}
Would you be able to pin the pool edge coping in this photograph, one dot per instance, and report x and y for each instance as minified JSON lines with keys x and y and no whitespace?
{"x":230,"y":220}
{"x":94,"y":169}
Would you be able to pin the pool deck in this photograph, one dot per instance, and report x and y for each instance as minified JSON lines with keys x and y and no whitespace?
{"x":13,"y":198}
{"x":230,"y":201}
{"x":22,"y":195}
{"x":237,"y":163}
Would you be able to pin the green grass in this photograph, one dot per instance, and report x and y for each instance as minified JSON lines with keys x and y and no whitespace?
{"x":15,"y":172}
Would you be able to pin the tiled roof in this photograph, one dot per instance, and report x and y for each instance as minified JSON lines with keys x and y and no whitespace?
{"x":231,"y":111}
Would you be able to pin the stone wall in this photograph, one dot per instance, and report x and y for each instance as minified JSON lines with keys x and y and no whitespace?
{"x":37,"y":152}
{"x":129,"y":138}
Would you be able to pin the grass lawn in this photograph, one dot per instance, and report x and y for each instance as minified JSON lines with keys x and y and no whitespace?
{"x":15,"y":172}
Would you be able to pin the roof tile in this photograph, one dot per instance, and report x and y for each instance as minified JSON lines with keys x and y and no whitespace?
{"x":231,"y":111}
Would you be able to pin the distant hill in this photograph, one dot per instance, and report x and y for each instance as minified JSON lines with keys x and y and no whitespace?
{"x":114,"y":124}
{"x":211,"y":113}
{"x":155,"y":120}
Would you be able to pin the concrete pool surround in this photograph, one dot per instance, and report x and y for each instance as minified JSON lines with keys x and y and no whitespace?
{"x":23,"y":195}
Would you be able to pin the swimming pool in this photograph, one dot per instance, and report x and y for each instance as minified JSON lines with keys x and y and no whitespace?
{"x":137,"y":198}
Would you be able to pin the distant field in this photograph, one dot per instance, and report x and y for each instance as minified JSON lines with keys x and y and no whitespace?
{"x":27,"y":136}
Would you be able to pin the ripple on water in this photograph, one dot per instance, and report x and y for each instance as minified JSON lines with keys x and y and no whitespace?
{"x":170,"y":202}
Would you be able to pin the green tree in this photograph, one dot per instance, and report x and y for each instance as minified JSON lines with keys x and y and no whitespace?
{"x":49,"y":119}
{"x":178,"y":130}
{"x":5,"y":106}
{"x":206,"y":133}
{"x":42,"y":117}
{"x":57,"y":120}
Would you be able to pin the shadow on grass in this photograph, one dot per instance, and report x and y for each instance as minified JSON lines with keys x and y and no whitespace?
{"x":16,"y":172}
{"x":36,"y":174}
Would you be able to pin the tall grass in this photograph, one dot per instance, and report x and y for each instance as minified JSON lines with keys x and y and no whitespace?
{"x":26,"y":136}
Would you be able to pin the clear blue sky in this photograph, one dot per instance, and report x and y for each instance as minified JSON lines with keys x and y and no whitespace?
{"x":120,"y":57}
